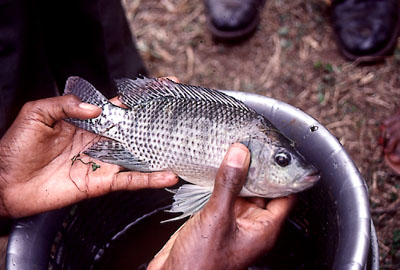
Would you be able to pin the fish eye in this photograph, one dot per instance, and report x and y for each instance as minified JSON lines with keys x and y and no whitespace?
{"x":282,"y":159}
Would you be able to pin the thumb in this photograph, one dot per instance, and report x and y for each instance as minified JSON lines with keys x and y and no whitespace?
{"x":230,"y":178}
{"x":50,"y":110}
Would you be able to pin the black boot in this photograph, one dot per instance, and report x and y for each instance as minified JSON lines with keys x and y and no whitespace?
{"x":231,"y":20}
{"x":366,"y":30}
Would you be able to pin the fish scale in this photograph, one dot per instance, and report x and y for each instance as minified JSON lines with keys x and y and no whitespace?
{"x":188,"y":129}
{"x":186,"y":148}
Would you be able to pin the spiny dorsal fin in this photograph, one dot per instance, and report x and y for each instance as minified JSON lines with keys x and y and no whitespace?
{"x":139,"y":91}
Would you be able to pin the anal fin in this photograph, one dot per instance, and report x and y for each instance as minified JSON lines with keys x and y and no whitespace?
{"x":189,"y":199}
{"x":114,"y":152}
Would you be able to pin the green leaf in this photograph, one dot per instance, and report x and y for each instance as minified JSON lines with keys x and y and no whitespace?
{"x":95,"y":166}
{"x":317,"y":65}
{"x":328,"y":67}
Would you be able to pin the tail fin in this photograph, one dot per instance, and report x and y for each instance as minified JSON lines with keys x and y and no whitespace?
{"x":85,"y":91}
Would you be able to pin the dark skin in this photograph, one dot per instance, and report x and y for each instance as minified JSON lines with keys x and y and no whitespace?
{"x":229,"y":232}
{"x":36,"y":171}
{"x":391,"y":136}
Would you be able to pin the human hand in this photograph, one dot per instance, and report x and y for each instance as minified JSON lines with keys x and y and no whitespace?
{"x":36,"y":170}
{"x":390,"y":139}
{"x":229,"y":232}
{"x":391,"y":133}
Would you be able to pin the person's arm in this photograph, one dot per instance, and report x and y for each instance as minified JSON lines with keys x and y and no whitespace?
{"x":40,"y":168}
{"x":229,"y":232}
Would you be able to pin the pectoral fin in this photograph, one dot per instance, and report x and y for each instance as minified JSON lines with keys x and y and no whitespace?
{"x":189,"y":199}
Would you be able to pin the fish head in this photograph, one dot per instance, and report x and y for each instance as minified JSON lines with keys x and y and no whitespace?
{"x":278,"y":169}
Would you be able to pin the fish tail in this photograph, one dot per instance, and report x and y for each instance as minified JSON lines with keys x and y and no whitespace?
{"x":85,"y":91}
{"x":89,"y":94}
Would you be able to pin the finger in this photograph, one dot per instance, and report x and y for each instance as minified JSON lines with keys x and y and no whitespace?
{"x":50,"y":110}
{"x":118,"y":103}
{"x":392,"y":143}
{"x":395,"y":155}
{"x":394,"y":128}
{"x":394,"y":158}
{"x":137,"y":180}
{"x":280,"y":208}
{"x":392,"y":119}
{"x":260,"y":202}
{"x":172,"y":78}
{"x":230,"y":178}
{"x":391,"y":136}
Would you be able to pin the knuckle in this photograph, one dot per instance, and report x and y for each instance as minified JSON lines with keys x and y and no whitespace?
{"x":33,"y":111}
{"x":114,"y":182}
{"x":30,"y":107}
{"x":128,"y":179}
{"x":145,"y":180}
{"x":71,"y":100}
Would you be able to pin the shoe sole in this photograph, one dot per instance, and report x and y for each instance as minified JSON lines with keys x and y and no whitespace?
{"x":236,"y":35}
{"x":232,"y":35}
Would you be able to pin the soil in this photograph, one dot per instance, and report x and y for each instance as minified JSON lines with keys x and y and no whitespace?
{"x":292,"y":57}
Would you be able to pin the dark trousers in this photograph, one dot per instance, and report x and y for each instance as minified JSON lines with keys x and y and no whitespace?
{"x":43,"y":42}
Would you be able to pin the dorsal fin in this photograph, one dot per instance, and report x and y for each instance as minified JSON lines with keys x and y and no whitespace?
{"x":139,"y":91}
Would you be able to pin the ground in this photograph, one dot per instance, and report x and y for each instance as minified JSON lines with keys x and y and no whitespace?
{"x":292,"y":57}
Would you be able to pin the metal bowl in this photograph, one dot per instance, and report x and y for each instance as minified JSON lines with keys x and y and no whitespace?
{"x":339,"y":201}
{"x":330,"y":227}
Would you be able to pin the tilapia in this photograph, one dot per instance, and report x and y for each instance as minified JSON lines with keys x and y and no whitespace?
{"x":188,"y":129}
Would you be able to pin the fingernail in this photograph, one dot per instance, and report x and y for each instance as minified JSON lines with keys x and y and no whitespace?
{"x":88,"y":107}
{"x":162,"y":176}
{"x":236,"y":157}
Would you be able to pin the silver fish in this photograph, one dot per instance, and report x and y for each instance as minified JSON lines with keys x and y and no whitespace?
{"x":188,"y":130}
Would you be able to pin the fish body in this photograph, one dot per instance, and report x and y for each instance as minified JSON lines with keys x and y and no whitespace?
{"x":188,"y":130}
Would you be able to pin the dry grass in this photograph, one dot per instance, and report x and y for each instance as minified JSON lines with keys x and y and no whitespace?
{"x":293,"y":58}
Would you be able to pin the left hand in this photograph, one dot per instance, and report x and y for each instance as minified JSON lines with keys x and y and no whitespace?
{"x":36,"y":170}
{"x":229,"y":232}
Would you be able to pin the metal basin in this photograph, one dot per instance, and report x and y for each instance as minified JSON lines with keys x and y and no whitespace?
{"x":330,"y":227}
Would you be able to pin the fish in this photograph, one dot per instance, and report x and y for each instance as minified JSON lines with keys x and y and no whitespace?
{"x":188,"y":129}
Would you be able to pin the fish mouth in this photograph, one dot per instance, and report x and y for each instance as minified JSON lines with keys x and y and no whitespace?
{"x":312,"y":177}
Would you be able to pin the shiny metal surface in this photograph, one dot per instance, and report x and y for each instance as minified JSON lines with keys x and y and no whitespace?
{"x":31,"y":239}
{"x":338,"y":174}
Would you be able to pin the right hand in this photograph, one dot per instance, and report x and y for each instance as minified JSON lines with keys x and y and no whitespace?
{"x":229,"y":232}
